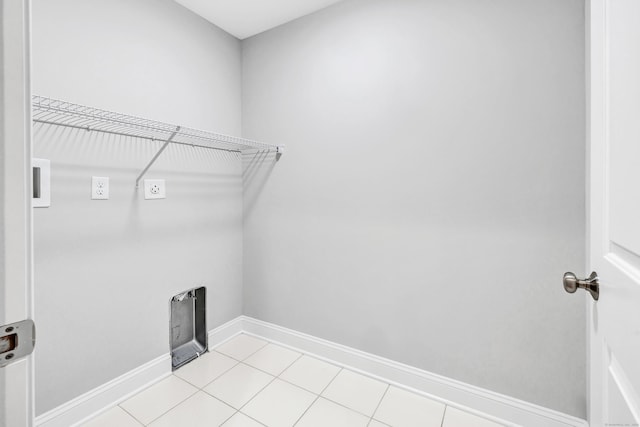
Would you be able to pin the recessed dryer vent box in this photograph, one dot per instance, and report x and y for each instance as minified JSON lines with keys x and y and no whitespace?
{"x":188,"y":327}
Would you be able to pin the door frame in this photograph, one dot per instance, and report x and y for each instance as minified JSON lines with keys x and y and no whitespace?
{"x":598,"y":39}
{"x":16,"y":259}
{"x":595,"y":57}
{"x":17,"y":262}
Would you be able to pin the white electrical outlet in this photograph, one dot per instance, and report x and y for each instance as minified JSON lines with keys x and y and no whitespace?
{"x":99,"y":188}
{"x":154,"y":189}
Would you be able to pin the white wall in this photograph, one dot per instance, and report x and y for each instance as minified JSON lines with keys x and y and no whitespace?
{"x":105,"y":270}
{"x":432,"y":194}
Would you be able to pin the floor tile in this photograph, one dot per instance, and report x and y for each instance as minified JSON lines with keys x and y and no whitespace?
{"x":457,"y":418}
{"x":280,"y":404}
{"x":206,"y":368}
{"x":402,"y":408}
{"x":356,"y":391}
{"x":272,"y":359}
{"x":241,"y":346}
{"x":149,"y":404}
{"x":241,"y":420}
{"x":237,"y":386}
{"x":326,"y":413}
{"x":249,"y":393}
{"x":310,"y":374}
{"x":113,"y":417}
{"x":200,"y":410}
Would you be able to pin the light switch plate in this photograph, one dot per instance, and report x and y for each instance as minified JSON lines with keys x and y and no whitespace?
{"x":154,"y":189}
{"x":41,"y":183}
{"x":99,"y":188}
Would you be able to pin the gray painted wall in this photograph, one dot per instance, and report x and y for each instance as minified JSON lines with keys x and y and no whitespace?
{"x":425,"y":210}
{"x":105,"y":270}
{"x":433,"y":191}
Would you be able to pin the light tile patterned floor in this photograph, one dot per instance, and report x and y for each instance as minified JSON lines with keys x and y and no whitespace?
{"x":248,"y":382}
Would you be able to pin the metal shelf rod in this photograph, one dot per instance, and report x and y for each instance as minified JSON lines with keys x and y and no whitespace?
{"x":153,"y":160}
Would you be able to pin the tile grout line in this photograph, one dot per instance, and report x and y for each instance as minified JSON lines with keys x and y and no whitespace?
{"x":367,"y":374}
{"x":266,"y":343}
{"x":347,"y":407}
{"x":259,"y":391}
{"x":241,"y":362}
{"x":130,"y":414}
{"x":444,"y":413}
{"x":231,"y":416}
{"x":317,"y":397}
{"x":300,"y":387}
{"x":224,"y":403}
{"x":252,"y":397}
{"x":386,"y":390}
{"x":300,"y":355}
{"x":308,"y":353}
{"x":263,"y":388}
{"x":306,"y":410}
{"x":279,"y":376}
{"x":290,"y":365}
{"x":269,"y":373}
{"x":224,"y":372}
{"x":237,"y":362}
{"x":350,"y":369}
{"x":177,"y":404}
{"x":250,"y":417}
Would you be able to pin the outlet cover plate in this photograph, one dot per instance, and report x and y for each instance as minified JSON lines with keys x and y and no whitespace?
{"x":99,"y":188}
{"x":154,"y":189}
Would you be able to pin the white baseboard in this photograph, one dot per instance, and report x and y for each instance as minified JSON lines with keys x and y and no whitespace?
{"x":225,"y":332}
{"x":107,"y":395}
{"x":446,"y":390}
{"x":120,"y":389}
{"x":454,"y":393}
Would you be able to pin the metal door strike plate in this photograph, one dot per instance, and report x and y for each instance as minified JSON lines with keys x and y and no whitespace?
{"x":16,"y":341}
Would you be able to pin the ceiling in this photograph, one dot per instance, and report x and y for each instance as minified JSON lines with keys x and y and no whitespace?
{"x":245,"y":18}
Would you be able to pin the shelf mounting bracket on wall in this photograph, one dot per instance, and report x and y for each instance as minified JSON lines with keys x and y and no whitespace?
{"x":153,"y":160}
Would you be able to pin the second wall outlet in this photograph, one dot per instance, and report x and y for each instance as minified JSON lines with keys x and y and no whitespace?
{"x":154,"y":189}
{"x":99,"y":188}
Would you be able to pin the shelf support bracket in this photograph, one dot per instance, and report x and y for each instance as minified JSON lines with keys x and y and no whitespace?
{"x":153,"y":160}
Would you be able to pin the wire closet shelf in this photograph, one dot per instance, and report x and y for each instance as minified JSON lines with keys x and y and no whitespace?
{"x":62,"y":113}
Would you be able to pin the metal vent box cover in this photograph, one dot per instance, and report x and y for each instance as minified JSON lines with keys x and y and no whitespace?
{"x":188,"y":328}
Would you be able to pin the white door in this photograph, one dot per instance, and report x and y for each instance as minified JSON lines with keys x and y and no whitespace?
{"x":16,"y":409}
{"x":613,"y":60}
